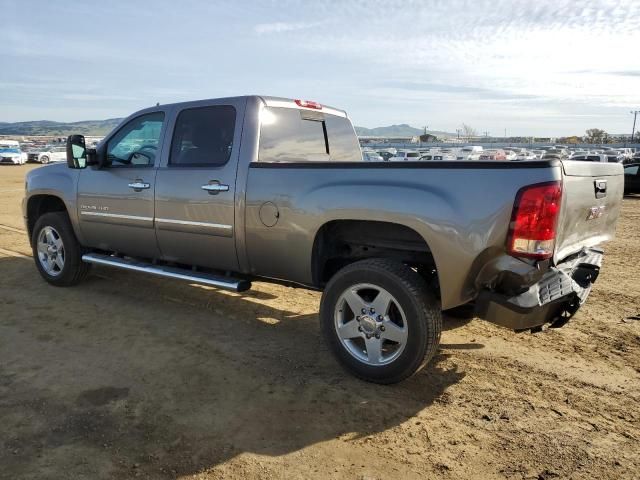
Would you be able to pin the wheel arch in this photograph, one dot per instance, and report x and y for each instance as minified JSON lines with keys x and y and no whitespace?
{"x":338,"y":243}
{"x":38,"y":205}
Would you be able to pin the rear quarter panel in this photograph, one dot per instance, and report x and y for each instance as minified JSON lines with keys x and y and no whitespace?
{"x":461,"y":209}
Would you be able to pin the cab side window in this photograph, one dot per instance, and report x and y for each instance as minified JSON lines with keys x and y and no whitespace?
{"x":136,"y":144}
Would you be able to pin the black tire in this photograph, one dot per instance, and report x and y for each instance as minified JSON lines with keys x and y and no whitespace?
{"x":74,"y":269}
{"x":44,"y":159}
{"x":422,"y":310}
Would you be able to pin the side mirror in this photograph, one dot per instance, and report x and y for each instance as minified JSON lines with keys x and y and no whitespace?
{"x":76,"y":152}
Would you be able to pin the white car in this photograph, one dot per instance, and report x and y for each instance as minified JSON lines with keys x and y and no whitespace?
{"x":526,"y":155}
{"x":10,"y":152}
{"x":49,"y":154}
{"x":471,"y":152}
{"x":405,"y":157}
{"x":511,"y":155}
{"x":369,"y":156}
{"x":438,"y":156}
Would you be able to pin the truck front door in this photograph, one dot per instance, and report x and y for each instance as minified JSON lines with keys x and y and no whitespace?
{"x":115,"y":203}
{"x":196,"y":183}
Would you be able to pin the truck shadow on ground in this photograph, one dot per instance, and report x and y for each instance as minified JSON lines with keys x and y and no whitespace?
{"x":109,"y":379}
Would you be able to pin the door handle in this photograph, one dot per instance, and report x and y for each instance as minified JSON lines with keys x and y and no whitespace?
{"x":139,"y":185}
{"x":215,"y":188}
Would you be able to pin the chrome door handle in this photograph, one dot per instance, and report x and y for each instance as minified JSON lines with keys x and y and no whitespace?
{"x":214,"y":188}
{"x":139,"y":185}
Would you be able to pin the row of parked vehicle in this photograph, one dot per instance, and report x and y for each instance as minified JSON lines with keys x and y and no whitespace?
{"x":12,"y":153}
{"x":476,"y":152}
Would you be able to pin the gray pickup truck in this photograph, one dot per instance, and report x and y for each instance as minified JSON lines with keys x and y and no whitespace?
{"x":224,"y":191}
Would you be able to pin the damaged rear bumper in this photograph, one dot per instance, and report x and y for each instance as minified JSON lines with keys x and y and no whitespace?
{"x":553,"y":299}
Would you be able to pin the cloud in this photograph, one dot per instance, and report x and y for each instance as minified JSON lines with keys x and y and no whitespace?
{"x":281,"y":27}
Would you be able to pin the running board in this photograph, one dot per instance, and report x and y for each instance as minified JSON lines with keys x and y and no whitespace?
{"x":219,"y":281}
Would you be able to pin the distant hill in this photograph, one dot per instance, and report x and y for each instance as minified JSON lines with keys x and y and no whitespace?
{"x":102,"y":127}
{"x":402,"y":130}
{"x":48,"y":127}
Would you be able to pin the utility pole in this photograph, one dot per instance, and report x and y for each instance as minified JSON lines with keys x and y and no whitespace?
{"x":486,"y":136}
{"x":424,"y":129}
{"x":633,"y":130}
{"x":458,"y":132}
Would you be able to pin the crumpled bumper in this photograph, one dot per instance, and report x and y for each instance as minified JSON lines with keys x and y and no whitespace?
{"x":553,"y":299}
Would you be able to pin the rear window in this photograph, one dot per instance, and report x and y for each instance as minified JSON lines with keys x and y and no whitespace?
{"x":633,"y":170}
{"x":293,"y":135}
{"x":413,"y":154}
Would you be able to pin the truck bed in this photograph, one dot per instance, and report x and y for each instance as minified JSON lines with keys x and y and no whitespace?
{"x":462,"y":209}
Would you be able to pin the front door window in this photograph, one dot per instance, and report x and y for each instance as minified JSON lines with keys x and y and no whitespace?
{"x":136,"y":144}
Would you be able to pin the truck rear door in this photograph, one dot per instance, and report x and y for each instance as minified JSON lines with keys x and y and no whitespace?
{"x":592,"y":198}
{"x":196,"y":184}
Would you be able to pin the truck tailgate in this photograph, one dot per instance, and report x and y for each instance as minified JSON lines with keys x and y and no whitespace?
{"x":591,"y":204}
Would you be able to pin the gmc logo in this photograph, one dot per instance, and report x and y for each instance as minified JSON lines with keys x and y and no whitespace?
{"x":596,"y":212}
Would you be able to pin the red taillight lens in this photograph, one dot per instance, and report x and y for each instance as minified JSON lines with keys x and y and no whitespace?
{"x":308,"y":104}
{"x":532,"y":231}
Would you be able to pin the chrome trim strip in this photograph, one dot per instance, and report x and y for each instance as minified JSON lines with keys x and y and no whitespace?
{"x":229,"y":283}
{"x":116,"y":215}
{"x":195,"y":224}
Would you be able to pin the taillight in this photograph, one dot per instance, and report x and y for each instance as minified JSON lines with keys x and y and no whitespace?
{"x":532,"y":232}
{"x":308,"y":104}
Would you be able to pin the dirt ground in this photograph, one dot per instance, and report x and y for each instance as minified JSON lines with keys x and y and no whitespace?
{"x":130,"y":376}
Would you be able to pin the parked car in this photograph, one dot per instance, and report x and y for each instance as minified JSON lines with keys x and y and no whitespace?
{"x":369,"y":156}
{"x":470,"y":152}
{"x":526,"y":155}
{"x":225,"y":191}
{"x":510,"y":155}
{"x":405,"y":156}
{"x":385,"y":155}
{"x":48,"y":154}
{"x":632,"y":178}
{"x":11,"y":153}
{"x":493,"y":155}
{"x":561,"y":152}
{"x":439,"y":156}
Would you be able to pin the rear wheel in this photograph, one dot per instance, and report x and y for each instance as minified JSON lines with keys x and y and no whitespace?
{"x":56,"y":251}
{"x":44,"y":159}
{"x":380,"y":319}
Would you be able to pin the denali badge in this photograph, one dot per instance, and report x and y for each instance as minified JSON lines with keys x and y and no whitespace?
{"x":94,"y":207}
{"x":595,"y":212}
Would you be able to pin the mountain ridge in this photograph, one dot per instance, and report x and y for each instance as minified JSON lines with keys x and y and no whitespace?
{"x":102,"y":127}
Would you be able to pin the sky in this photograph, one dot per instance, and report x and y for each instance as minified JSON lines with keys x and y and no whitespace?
{"x":538,"y":67}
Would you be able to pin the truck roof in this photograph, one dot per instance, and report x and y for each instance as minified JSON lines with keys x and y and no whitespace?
{"x":270,"y":101}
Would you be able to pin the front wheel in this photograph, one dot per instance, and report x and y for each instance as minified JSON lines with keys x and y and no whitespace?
{"x":44,"y":159}
{"x":56,"y":251}
{"x":381,"y":320}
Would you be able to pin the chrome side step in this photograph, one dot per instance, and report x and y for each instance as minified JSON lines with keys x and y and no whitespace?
{"x":219,"y":281}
